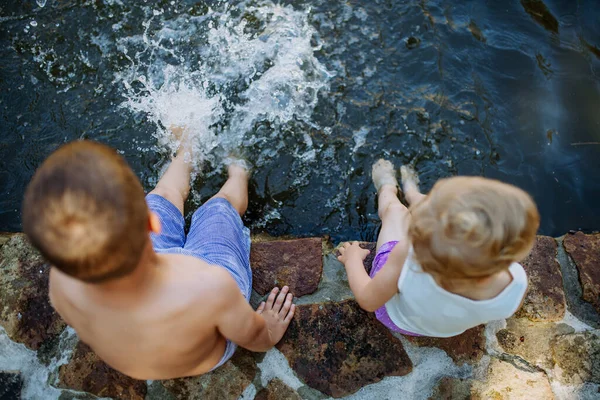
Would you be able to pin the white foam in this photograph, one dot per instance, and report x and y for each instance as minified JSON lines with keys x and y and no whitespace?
{"x":236,"y":77}
{"x":360,"y":137}
{"x":14,"y":356}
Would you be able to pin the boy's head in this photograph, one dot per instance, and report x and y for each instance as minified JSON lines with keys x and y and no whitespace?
{"x":85,"y":211}
{"x":470,"y":227}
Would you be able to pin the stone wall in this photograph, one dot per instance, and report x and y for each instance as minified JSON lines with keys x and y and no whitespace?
{"x":549,"y":349}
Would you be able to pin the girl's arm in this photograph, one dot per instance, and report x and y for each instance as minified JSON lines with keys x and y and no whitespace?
{"x":371,"y":294}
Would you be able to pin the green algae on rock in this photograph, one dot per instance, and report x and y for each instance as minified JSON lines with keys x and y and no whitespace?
{"x":585,"y":251}
{"x":545,"y":299}
{"x":337,"y":348}
{"x":296,"y":263}
{"x":25,"y":310}
{"x":226,"y":382}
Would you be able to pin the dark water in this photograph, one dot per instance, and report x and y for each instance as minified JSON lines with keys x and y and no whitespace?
{"x":508,"y":90}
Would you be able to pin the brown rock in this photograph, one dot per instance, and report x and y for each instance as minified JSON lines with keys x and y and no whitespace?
{"x":545,"y":299}
{"x":577,"y":357}
{"x":585,"y":251}
{"x":277,"y":390}
{"x":531,"y":340}
{"x":449,"y":388}
{"x":227,"y":382}
{"x":25,"y":310}
{"x":87,"y":373}
{"x":296,"y":263}
{"x":467,"y":347}
{"x":337,"y":348}
{"x":505,"y":382}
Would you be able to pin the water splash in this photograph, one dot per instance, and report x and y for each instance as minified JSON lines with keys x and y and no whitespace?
{"x":224,"y":73}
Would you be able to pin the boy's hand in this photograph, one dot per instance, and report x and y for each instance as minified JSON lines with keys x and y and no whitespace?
{"x":277,"y":312}
{"x":349,"y":251}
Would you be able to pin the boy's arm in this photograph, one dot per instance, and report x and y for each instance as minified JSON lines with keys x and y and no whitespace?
{"x":371,"y":294}
{"x":256,"y":330}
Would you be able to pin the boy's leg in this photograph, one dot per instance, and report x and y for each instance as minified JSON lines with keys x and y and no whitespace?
{"x":235,"y":190}
{"x":394,"y":216}
{"x":174,"y":185}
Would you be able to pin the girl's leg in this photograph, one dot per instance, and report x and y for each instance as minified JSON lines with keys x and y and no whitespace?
{"x":393,"y":214}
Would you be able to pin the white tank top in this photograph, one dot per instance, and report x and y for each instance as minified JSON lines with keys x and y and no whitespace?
{"x":423,"y":307}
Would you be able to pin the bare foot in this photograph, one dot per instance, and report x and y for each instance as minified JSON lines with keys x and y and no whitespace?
{"x":410,"y":179}
{"x":238,"y":168}
{"x":383,"y":173}
{"x":277,"y":312}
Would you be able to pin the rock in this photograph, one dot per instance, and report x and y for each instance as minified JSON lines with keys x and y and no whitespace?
{"x":412,"y":42}
{"x":86,"y":372}
{"x":531,"y":340}
{"x":449,"y":388}
{"x":585,"y":251}
{"x":476,"y":31}
{"x":10,"y":385}
{"x":297,"y":263}
{"x":467,"y":347}
{"x":545,"y":299}
{"x":505,"y":382}
{"x":226,"y":382}
{"x":541,"y":14}
{"x":577,"y":357}
{"x":277,"y":390}
{"x":337,"y":348}
{"x":25,"y":310}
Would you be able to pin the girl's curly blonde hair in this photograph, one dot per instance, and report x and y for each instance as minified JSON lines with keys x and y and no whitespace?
{"x":471,"y":227}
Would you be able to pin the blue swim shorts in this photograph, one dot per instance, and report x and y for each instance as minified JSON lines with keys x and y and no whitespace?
{"x":217,"y":235}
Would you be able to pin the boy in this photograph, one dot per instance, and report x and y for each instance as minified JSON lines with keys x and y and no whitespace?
{"x":150,"y":302}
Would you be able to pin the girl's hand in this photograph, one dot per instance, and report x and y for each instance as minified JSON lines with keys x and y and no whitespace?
{"x":350,"y":251}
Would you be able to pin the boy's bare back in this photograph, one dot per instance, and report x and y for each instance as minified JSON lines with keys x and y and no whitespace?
{"x":172,"y":326}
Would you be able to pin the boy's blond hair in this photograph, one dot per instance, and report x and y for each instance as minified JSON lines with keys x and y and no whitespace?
{"x":471,"y":227}
{"x":85,"y":211}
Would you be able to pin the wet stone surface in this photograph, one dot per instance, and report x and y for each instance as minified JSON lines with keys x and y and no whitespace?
{"x":585,"y":251}
{"x":337,"y":348}
{"x":25,"y":310}
{"x":277,"y":390}
{"x":226,"y":382}
{"x":577,"y":357}
{"x":545,"y":299}
{"x":531,"y":340}
{"x":504,"y":381}
{"x":86,"y":372}
{"x":467,"y":347}
{"x":297,"y":263}
{"x":10,"y":385}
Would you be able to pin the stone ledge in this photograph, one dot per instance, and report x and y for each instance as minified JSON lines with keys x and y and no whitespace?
{"x":227,"y":382}
{"x":337,"y":348}
{"x":86,"y":372}
{"x":296,"y":263}
{"x":577,"y":357}
{"x":25,"y":310}
{"x":467,"y":347}
{"x":585,"y":252}
{"x":545,"y":299}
